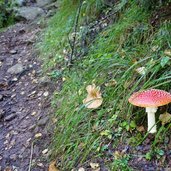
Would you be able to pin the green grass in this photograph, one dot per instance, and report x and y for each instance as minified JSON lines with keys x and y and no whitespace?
{"x":81,"y":134}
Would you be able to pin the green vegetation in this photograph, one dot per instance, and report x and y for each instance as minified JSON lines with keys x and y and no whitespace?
{"x":125,"y":45}
{"x":6,"y":16}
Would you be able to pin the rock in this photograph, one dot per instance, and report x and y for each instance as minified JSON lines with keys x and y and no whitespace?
{"x":2,"y":112}
{"x":42,"y":3}
{"x":1,"y":97}
{"x":44,"y":81}
{"x":46,"y":93}
{"x":16,"y":69}
{"x":29,"y":13}
{"x":43,"y":121}
{"x":10,"y":117}
{"x":20,"y":2}
{"x":9,"y":61}
{"x":13,"y":157}
{"x":13,"y":52}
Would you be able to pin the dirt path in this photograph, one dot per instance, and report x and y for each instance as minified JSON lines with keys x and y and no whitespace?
{"x":24,"y":102}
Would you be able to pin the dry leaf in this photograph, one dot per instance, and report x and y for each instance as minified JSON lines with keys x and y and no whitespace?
{"x":141,"y":70}
{"x":154,"y":48}
{"x":8,"y":169}
{"x":165,"y":118}
{"x":33,"y":113}
{"x":38,"y":135}
{"x":111,"y":83}
{"x":118,"y":155}
{"x":95,"y":166}
{"x":52,"y":166}
{"x":140,"y":128}
{"x":94,"y":98}
{"x":167,"y":52}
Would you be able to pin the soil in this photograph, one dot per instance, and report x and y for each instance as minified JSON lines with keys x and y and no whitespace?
{"x":24,"y":103}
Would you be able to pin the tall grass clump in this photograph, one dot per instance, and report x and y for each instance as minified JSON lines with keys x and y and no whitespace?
{"x":112,"y":62}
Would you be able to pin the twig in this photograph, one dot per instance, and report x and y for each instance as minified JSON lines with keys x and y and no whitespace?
{"x":75,"y":33}
{"x":31,"y":156}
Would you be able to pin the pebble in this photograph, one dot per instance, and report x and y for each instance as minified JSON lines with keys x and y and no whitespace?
{"x":45,"y":94}
{"x":10,"y":117}
{"x":2,"y":112}
{"x":44,"y":151}
{"x":13,"y":157}
{"x":38,"y":135}
{"x":44,"y":81}
{"x":16,"y":69}
{"x":1,"y":97}
{"x":13,"y":52}
{"x":42,"y":121}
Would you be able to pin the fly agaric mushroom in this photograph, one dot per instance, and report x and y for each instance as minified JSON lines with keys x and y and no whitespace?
{"x":151,"y":100}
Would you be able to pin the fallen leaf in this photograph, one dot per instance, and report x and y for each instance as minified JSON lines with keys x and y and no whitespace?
{"x":141,"y":70}
{"x":118,"y":155}
{"x":111,"y":83}
{"x":167,"y":52}
{"x":165,"y":118}
{"x":33,"y":113}
{"x":94,"y":98}
{"x":38,"y":135}
{"x":54,"y":120}
{"x":8,"y":169}
{"x":52,"y":166}
{"x":95,"y":166}
{"x":140,"y":128}
{"x":154,"y":48}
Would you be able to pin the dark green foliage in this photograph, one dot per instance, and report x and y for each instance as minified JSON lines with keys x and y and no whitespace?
{"x":6,"y":14}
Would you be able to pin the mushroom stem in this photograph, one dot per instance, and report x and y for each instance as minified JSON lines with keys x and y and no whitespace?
{"x":151,"y":119}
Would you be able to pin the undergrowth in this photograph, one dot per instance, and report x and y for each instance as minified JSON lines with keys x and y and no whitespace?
{"x":127,"y":44}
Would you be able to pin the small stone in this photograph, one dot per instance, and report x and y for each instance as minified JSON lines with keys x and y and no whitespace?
{"x":38,"y":135}
{"x":44,"y":81}
{"x":33,"y":113}
{"x":40,"y":164}
{"x":46,"y":93}
{"x":29,"y":13}
{"x":16,"y":69}
{"x":13,"y":157}
{"x":10,"y":117}
{"x":9,"y":61}
{"x":13,"y":52}
{"x":22,"y":93}
{"x":32,"y":93}
{"x":42,"y":121}
{"x":44,"y":151}
{"x":2,"y":113}
{"x":1,"y":97}
{"x":15,"y":79}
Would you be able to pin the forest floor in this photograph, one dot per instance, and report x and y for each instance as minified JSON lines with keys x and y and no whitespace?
{"x":24,"y":102}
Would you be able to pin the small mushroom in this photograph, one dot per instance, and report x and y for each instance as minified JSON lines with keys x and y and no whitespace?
{"x":94,"y":98}
{"x":151,"y":100}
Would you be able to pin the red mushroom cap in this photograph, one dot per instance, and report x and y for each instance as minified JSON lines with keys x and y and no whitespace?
{"x":150,"y":98}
